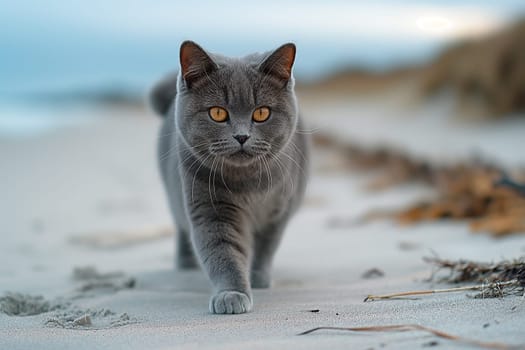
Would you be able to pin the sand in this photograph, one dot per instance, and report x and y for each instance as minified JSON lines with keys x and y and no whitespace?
{"x":100,"y":178}
{"x":61,"y":313}
{"x":18,"y":304}
{"x":75,"y":318}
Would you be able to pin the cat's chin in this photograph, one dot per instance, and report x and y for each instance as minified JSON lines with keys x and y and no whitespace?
{"x":240,"y":158}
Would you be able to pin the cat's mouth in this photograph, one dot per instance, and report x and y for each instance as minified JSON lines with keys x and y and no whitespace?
{"x":242,"y":153}
{"x":241,"y":157}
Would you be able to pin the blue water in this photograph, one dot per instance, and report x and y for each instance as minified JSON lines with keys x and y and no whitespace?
{"x":48,"y":45}
{"x":59,"y":47}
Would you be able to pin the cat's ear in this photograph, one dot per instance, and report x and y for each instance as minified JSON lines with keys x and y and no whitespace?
{"x":194,"y":62}
{"x":280,"y":62}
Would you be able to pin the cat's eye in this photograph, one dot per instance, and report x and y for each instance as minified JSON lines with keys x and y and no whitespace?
{"x":261,"y":114}
{"x":218,"y":114}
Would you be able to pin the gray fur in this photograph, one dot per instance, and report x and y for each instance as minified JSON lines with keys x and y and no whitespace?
{"x":231,"y":209}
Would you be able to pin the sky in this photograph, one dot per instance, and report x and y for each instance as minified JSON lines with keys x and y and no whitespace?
{"x":73,"y":45}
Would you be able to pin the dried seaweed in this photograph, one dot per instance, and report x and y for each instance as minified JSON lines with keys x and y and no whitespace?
{"x":501,"y":278}
{"x":480,"y":192}
{"x":488,"y":290}
{"x":475,"y":193}
{"x":495,"y":280}
{"x":416,"y":327}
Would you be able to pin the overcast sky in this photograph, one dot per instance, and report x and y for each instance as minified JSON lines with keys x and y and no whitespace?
{"x":73,"y":43}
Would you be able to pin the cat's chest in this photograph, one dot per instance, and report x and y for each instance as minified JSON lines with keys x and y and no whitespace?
{"x":266,"y":207}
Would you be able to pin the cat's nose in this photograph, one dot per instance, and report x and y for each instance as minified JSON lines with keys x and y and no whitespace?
{"x":241,"y":138}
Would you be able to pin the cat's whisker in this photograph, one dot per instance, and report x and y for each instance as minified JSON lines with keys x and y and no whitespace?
{"x":166,"y":154}
{"x":283,"y":152}
{"x":258,"y":159}
{"x":214,"y":175}
{"x":195,"y":175}
{"x":280,"y":165}
{"x":189,"y":156}
{"x":266,"y":172}
{"x":269,"y":172}
{"x":210,"y":181}
{"x":186,"y":171}
{"x":166,"y":135}
{"x":219,"y":147}
{"x":298,"y":150}
{"x":292,"y":184}
{"x":222,"y":176}
{"x":182,"y":163}
{"x":307,"y":132}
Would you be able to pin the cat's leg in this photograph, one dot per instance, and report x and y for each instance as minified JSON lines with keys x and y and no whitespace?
{"x":224,"y":251}
{"x":266,"y":243}
{"x":185,"y":258}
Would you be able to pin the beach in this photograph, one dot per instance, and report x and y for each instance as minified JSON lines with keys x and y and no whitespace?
{"x":86,"y":227}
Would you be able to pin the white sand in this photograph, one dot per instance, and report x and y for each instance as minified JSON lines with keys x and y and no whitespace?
{"x":101,"y":177}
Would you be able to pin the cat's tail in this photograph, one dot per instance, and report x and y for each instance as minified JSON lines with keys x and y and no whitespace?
{"x":163,"y":93}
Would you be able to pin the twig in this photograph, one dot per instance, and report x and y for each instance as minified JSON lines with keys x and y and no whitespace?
{"x":416,"y":327}
{"x":480,"y":287}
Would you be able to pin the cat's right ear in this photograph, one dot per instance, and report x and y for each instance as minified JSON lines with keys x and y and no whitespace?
{"x":195,"y":63}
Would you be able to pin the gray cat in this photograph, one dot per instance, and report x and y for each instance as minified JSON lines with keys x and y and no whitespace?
{"x":233,"y":162}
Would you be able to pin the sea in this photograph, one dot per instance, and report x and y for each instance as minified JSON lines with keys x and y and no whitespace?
{"x":55,"y":53}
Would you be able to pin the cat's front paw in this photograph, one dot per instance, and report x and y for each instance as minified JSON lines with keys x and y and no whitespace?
{"x":230,"y":302}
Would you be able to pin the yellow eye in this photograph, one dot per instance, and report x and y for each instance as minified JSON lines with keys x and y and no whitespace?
{"x":261,"y":114}
{"x":218,"y":114}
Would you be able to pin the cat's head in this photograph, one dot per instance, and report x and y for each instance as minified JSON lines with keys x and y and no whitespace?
{"x":236,"y":109}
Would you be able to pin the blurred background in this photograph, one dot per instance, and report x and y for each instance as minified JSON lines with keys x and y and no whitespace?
{"x":409,"y":86}
{"x":65,"y":52}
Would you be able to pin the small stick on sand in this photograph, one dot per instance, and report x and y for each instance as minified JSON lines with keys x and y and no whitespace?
{"x":416,"y":327}
{"x":480,"y":287}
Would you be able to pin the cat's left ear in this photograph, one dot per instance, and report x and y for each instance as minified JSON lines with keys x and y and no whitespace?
{"x":280,"y":62}
{"x":195,"y":63}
